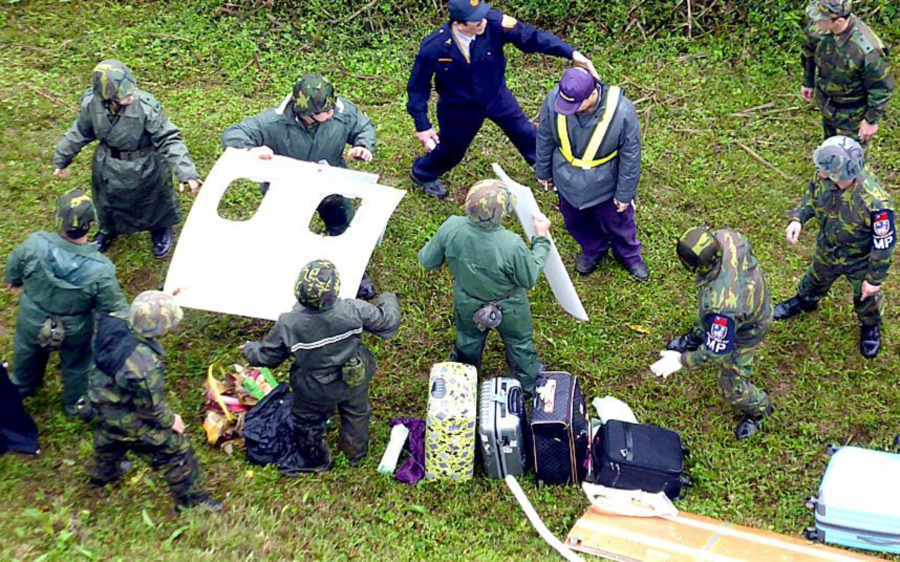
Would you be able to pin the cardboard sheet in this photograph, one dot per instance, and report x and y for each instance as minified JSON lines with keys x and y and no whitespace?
{"x":691,"y":538}
{"x":555,"y":272}
{"x":249,"y":267}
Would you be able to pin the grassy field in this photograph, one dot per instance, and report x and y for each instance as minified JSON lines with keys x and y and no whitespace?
{"x":199,"y":62}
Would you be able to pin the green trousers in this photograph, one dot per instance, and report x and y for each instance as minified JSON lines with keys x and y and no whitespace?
{"x":822,"y":274}
{"x":516,"y":331}
{"x":735,"y":386}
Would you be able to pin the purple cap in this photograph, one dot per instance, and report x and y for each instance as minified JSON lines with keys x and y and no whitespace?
{"x":575,"y":86}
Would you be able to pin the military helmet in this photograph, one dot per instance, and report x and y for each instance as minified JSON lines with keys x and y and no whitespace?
{"x":312,"y":94}
{"x":113,"y":80}
{"x":154,"y":314}
{"x":840,"y":158}
{"x":488,"y":203}
{"x":818,"y":10}
{"x":75,"y":211}
{"x":699,"y":250}
{"x":318,"y":285}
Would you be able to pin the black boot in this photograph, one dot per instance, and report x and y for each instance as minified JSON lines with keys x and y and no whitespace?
{"x":162,"y":241}
{"x":205,"y":502}
{"x":586,"y":265}
{"x":308,"y":457}
{"x":869,"y":341}
{"x":685,"y":342}
{"x":435,"y":188}
{"x":367,"y":289}
{"x":102,"y":241}
{"x":794,"y":306}
{"x":638,"y":271}
{"x":750,"y":425}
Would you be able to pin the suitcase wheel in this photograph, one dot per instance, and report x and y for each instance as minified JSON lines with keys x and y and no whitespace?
{"x":832,"y":448}
{"x":811,"y":502}
{"x":811,"y":534}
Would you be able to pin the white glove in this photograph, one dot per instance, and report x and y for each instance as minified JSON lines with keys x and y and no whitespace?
{"x":668,"y":365}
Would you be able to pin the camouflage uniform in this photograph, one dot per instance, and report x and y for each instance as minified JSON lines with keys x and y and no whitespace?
{"x":127,"y":388}
{"x":281,"y":130}
{"x":63,"y":284}
{"x":331,"y":368}
{"x":856,"y":229}
{"x":850,"y":71}
{"x":490,"y":264}
{"x":138,"y":151}
{"x":735,"y":314}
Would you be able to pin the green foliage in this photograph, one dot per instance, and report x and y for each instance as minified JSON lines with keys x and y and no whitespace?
{"x":199,"y":57}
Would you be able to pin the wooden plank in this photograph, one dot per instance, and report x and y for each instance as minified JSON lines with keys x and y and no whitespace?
{"x":691,"y":538}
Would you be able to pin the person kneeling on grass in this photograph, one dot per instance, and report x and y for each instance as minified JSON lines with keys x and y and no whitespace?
{"x":331,"y":366}
{"x":127,"y":389}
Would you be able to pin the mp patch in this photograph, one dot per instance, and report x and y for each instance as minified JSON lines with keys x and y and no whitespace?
{"x":719,"y":334}
{"x":884,"y":232}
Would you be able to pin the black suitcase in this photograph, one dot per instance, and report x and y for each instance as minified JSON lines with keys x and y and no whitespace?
{"x":560,"y":430}
{"x":631,"y":456}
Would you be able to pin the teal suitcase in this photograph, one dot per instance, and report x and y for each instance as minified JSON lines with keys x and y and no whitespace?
{"x":859,"y":501}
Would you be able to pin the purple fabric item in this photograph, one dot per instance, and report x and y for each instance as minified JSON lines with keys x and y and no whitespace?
{"x":575,"y":86}
{"x":599,"y":227}
{"x":413,"y":469}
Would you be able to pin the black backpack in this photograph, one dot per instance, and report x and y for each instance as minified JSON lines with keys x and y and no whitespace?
{"x":268,"y":427}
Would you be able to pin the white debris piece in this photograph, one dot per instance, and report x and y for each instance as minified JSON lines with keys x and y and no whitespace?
{"x":249,"y":267}
{"x":555,"y":271}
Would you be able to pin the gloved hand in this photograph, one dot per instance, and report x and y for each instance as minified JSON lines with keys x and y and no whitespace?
{"x":668,"y":365}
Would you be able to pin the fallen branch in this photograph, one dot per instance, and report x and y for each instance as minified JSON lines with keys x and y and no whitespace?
{"x":757,"y":108}
{"x":691,"y":131}
{"x":53,"y":98}
{"x":761,"y":160}
{"x":361,"y":10}
{"x":168,"y":36}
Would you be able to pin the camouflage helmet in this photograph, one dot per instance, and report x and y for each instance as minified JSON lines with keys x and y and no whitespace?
{"x":840,"y":158}
{"x":312,"y":94}
{"x":318,"y":285}
{"x":819,"y":10}
{"x":113,"y":81}
{"x":699,"y":250}
{"x":75,"y":211}
{"x":488,"y":203}
{"x":154,"y":314}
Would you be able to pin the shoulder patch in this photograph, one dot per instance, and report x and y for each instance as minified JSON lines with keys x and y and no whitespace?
{"x":719,"y":334}
{"x":508,"y":22}
{"x":884,"y":231}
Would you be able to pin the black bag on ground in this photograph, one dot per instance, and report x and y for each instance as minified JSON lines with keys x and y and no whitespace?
{"x":632,"y":456}
{"x":268,"y":427}
{"x":18,"y":432}
{"x":560,"y":430}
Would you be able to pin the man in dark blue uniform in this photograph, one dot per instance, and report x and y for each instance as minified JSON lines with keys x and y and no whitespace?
{"x":465,"y":57}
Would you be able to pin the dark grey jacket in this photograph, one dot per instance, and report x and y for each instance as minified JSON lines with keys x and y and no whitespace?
{"x":586,"y":188}
{"x":322,"y":341}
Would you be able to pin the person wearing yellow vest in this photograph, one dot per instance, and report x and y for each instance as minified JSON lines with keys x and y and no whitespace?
{"x":589,"y":151}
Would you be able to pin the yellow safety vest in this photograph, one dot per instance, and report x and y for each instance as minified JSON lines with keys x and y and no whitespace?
{"x":587,"y":161}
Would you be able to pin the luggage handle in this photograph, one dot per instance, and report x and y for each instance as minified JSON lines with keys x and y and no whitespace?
{"x":438,"y":388}
{"x":514,"y":401}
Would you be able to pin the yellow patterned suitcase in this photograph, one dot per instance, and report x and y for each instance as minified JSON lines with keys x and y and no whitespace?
{"x":451,"y":422}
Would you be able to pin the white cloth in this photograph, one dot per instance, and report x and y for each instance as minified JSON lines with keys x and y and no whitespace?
{"x":464,"y":41}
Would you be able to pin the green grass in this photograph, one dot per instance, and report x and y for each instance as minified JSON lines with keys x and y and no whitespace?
{"x":196,"y":60}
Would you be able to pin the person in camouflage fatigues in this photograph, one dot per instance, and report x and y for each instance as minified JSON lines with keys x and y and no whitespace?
{"x":735,"y":314}
{"x":62,"y":282}
{"x":332,"y":368}
{"x":132,"y":167}
{"x":127,"y":389}
{"x":491,"y":265}
{"x":846,"y":69}
{"x":314,"y":125}
{"x":856,"y":237}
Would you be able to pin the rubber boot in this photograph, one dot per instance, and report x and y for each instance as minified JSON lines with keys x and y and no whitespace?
{"x":792,"y":307}
{"x":869,"y":341}
{"x":751,"y":425}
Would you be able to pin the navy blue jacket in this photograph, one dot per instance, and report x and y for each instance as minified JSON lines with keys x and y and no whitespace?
{"x":475,"y":83}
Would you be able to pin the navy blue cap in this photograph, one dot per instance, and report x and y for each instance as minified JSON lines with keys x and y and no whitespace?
{"x":468,"y":10}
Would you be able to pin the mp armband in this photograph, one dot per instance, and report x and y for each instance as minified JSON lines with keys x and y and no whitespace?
{"x":884,"y":231}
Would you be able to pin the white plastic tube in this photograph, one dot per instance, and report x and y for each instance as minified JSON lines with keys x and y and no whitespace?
{"x":388,"y":463}
{"x":536,"y":522}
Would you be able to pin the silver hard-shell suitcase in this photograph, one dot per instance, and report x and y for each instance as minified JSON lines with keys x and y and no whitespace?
{"x":501,"y":423}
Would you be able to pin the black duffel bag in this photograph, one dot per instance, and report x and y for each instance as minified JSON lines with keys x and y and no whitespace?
{"x":268,"y":428}
{"x":631,"y":456}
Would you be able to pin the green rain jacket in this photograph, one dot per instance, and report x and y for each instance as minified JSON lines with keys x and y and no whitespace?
{"x":488,"y":264}
{"x":278,"y":129}
{"x":323,"y":341}
{"x":133,"y":164}
{"x":63,"y":279}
